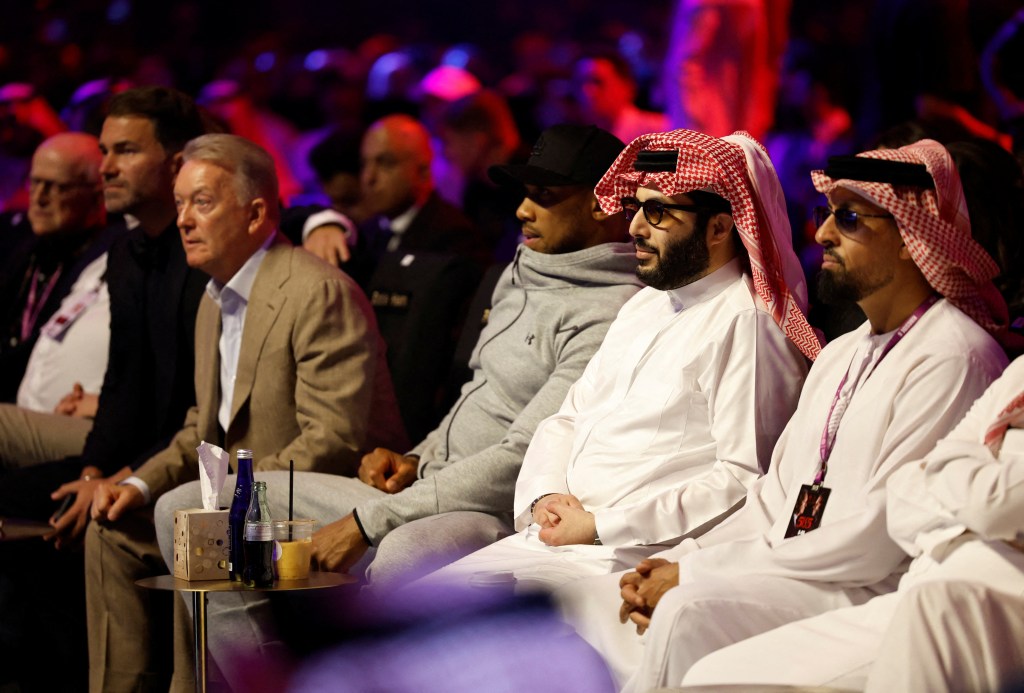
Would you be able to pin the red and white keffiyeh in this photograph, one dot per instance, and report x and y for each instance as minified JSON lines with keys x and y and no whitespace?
{"x":738,"y":169}
{"x":936,"y":228}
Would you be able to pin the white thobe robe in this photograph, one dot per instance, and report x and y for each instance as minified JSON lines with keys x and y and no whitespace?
{"x":951,"y":512}
{"x":673,"y":419}
{"x":744,"y":577}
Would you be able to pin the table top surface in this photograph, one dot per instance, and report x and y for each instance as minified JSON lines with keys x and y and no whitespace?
{"x":316,"y":580}
{"x":12,"y":529}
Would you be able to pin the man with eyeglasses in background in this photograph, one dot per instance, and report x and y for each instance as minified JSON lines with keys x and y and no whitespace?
{"x":676,"y":414}
{"x":65,"y":233}
{"x":53,"y":351}
{"x":811,"y":535}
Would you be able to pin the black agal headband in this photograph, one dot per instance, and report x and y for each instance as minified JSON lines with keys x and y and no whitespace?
{"x":870,"y":170}
{"x":656,"y":160}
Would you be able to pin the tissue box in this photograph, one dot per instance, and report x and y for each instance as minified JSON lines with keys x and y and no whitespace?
{"x":201,"y":544}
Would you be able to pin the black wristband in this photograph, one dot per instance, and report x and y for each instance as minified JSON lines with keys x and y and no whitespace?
{"x":537,"y":500}
{"x":355,"y":516}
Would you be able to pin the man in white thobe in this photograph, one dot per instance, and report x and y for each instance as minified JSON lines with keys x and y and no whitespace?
{"x":676,"y":414}
{"x":956,"y":622}
{"x":897,"y":240}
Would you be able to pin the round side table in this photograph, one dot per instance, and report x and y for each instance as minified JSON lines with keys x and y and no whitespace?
{"x":200,"y":588}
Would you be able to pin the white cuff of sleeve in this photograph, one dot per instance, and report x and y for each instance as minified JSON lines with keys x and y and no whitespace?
{"x":330,"y":216}
{"x":141,"y":485}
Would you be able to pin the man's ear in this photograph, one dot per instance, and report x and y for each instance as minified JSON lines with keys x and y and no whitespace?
{"x":596,"y":211}
{"x":257,"y":215}
{"x":719,"y":229}
{"x":177,"y":160}
{"x":904,"y":253}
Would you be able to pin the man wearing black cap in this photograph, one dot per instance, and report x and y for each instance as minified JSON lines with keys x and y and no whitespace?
{"x":550,"y":310}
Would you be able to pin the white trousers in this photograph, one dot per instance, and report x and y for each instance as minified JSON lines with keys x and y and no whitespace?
{"x":930,"y":630}
{"x":591,"y":606}
{"x":690,"y":621}
{"x":537,"y":566}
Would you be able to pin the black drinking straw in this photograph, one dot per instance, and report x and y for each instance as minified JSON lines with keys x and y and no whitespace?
{"x":291,"y":494}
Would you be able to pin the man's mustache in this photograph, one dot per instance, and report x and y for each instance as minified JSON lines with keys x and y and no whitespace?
{"x":642,"y":244}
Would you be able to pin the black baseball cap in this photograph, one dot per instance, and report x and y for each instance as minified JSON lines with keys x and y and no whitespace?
{"x":564,"y":155}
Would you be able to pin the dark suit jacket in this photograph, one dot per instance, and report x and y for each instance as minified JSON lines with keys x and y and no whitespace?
{"x":154,"y":296}
{"x":439,"y":227}
{"x":312,"y":384}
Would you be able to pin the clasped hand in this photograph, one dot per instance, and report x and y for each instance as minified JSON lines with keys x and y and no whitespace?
{"x":111,"y":500}
{"x":642,"y":589}
{"x":78,"y":403}
{"x":564,"y":521}
{"x":68,"y":528}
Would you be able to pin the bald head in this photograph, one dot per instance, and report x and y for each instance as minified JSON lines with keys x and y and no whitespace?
{"x":64,"y":184}
{"x":396,"y":158}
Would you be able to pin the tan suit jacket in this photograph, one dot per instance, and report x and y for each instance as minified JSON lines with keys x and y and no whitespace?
{"x":312,"y":383}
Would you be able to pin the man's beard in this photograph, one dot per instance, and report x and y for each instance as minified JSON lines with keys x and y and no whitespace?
{"x":835,"y":289}
{"x":678,"y":264}
{"x":838,"y":287}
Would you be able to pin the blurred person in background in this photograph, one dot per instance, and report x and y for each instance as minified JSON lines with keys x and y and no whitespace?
{"x":398,"y":190}
{"x":607,"y":92}
{"x":26,"y":119}
{"x":228,"y":101}
{"x":722,"y":64}
{"x":65,"y":234}
{"x":478,"y":132}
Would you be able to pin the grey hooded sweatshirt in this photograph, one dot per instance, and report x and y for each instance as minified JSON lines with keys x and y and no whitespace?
{"x":549,"y":314}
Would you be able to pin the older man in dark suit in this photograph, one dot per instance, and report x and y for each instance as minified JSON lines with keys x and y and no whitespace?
{"x":288,"y":364}
{"x":409,"y":215}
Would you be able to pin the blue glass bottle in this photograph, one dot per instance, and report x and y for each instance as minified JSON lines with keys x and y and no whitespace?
{"x":236,"y":517}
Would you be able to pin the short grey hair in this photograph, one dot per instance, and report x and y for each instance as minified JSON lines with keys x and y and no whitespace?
{"x":249,"y":163}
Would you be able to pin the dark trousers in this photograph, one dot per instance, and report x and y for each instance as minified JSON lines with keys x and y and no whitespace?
{"x":42,"y":593}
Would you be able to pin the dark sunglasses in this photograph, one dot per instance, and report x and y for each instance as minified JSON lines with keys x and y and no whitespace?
{"x":654,"y":210}
{"x":847,"y":220}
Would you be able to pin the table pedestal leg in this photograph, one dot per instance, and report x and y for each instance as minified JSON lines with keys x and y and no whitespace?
{"x":199,"y":631}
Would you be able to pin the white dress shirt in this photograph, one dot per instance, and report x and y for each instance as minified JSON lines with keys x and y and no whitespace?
{"x":232,"y":299}
{"x":399,"y":225}
{"x":72,"y":346}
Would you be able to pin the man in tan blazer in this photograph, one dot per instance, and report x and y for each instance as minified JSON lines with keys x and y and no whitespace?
{"x":295,"y":343}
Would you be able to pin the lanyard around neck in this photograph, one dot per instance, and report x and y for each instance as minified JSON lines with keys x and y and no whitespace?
{"x":34,"y":304}
{"x":835,"y":413}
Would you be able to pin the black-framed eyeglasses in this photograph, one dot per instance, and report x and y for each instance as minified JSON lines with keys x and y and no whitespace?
{"x":654,"y":210}
{"x":51,"y":187}
{"x":847,"y":220}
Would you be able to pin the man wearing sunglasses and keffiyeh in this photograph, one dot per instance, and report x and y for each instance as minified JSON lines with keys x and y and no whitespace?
{"x":675,"y":416}
{"x":811,"y":535}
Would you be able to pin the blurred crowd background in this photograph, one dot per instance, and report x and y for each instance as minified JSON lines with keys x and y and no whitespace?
{"x":305,"y":77}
